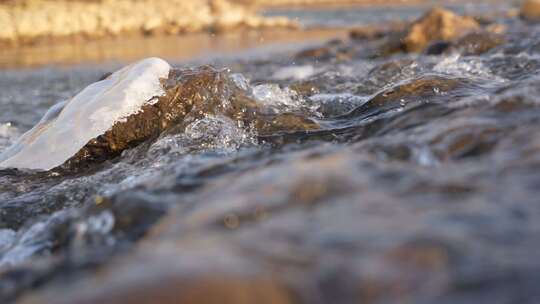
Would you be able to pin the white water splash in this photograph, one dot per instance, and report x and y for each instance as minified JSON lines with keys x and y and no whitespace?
{"x":71,"y":124}
{"x":219,"y":132}
{"x":275,"y":99}
{"x":470,"y":67}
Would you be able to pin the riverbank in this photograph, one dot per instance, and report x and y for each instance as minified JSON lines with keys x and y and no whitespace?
{"x":39,"y":22}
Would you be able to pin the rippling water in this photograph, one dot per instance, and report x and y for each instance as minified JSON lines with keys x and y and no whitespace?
{"x":421,"y":184}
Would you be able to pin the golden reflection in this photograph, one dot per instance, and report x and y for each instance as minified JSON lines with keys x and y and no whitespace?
{"x":175,"y":48}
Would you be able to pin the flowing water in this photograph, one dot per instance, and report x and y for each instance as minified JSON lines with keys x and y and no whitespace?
{"x":421,"y":184}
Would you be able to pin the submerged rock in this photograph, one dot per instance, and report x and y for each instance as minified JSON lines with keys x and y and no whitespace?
{"x":135,"y":104}
{"x":404,"y":94}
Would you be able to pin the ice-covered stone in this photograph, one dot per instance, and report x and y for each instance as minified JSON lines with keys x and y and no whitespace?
{"x":70,"y":125}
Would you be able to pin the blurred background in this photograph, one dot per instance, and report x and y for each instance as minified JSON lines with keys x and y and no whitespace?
{"x":37,"y":32}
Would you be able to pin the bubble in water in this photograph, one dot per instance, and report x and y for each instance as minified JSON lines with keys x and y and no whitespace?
{"x":218,"y":132}
{"x":278,"y":100}
{"x":402,"y":102}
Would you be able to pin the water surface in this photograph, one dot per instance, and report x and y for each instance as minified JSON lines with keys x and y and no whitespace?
{"x":422,"y":184}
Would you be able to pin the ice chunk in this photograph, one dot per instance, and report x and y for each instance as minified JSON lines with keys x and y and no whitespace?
{"x":69,"y":125}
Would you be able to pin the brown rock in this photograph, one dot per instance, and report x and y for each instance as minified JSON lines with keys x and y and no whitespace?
{"x":190,"y":95}
{"x":530,"y":10}
{"x":367,"y":33}
{"x":479,"y":42}
{"x":437,"y":24}
{"x":306,"y":88}
{"x":403,"y":94}
{"x":474,"y":43}
{"x":316,"y":53}
{"x":370,"y":32}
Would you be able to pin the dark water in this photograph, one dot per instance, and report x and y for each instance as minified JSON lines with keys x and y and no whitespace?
{"x":422,"y":186}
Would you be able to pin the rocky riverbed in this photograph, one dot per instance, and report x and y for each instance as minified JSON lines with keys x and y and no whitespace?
{"x":400,"y":164}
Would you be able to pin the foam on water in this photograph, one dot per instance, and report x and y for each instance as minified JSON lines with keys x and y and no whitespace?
{"x":281,"y":100}
{"x":69,"y":125}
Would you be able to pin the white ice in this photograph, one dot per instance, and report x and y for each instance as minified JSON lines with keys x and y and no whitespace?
{"x":70,"y":125}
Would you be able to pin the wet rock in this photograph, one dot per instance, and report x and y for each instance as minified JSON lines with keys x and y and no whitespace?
{"x":68,"y":125}
{"x":403,"y":95}
{"x":334,"y":50}
{"x":438,"y":48}
{"x":316,"y":53}
{"x":478,"y":42}
{"x":474,"y":43}
{"x":305,"y":88}
{"x":376,"y":31}
{"x":530,"y":10}
{"x":139,"y":103}
{"x":464,"y":142}
{"x":437,"y":24}
{"x":287,"y":122}
{"x":496,"y":28}
{"x":190,"y":95}
{"x":367,"y":33}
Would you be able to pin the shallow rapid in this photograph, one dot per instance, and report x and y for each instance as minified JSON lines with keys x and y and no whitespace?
{"x":354,"y":171}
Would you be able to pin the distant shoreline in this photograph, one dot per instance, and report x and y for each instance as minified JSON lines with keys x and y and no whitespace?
{"x":40,"y":22}
{"x":324,"y":4}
